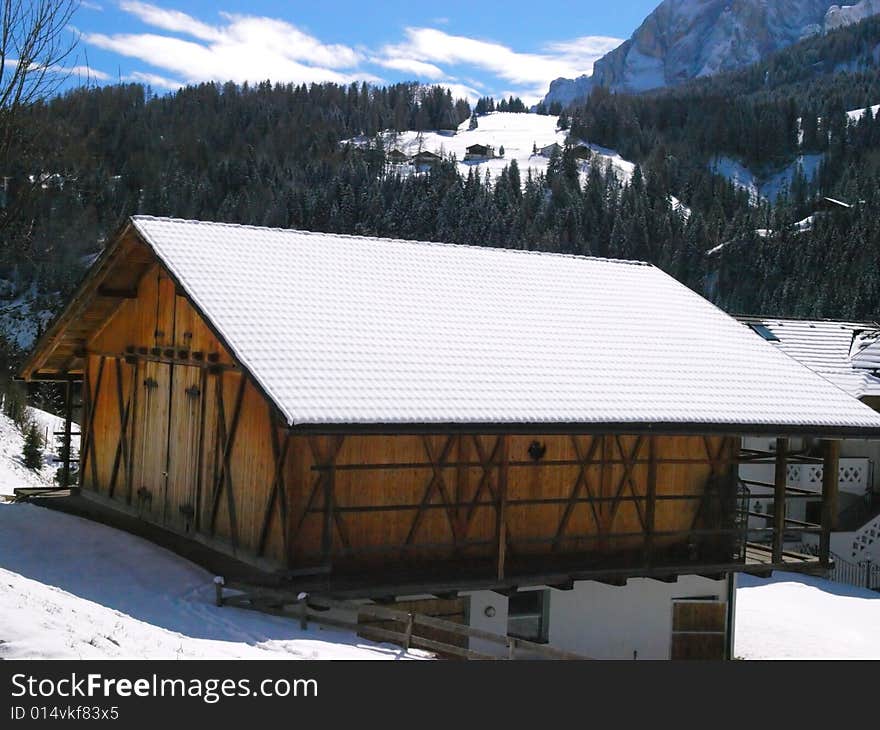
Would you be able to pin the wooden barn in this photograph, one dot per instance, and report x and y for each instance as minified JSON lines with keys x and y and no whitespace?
{"x":558,"y":436}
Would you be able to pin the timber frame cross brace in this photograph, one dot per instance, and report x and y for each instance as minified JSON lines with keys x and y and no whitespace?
{"x":278,"y":491}
{"x":325,"y":479}
{"x":90,"y":406}
{"x":223,"y":469}
{"x":125,"y":407}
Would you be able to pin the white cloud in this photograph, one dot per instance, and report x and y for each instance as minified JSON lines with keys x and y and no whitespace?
{"x":173,"y":20}
{"x":570,"y":58}
{"x":420,"y":69}
{"x":181,"y":48}
{"x":239,"y":48}
{"x":90,"y":5}
{"x":153,"y":80}
{"x":87,"y":72}
{"x":461,"y":91}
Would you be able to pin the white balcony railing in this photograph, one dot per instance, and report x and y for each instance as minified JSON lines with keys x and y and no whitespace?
{"x":854,"y":475}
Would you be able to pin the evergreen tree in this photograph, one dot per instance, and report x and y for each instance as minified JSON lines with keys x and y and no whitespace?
{"x":33,"y":447}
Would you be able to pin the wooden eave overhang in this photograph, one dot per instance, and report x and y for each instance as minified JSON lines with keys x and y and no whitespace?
{"x":59,"y":353}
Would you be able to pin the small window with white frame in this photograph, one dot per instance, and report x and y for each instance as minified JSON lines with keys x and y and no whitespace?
{"x":528,"y":614}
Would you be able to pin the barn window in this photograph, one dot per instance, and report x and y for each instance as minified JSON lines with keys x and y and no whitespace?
{"x":765,"y":332}
{"x":528,"y":616}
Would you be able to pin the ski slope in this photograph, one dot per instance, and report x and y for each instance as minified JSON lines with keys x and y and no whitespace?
{"x":519,"y":134}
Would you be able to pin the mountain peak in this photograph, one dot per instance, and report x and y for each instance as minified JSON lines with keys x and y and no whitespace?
{"x":686,"y":39}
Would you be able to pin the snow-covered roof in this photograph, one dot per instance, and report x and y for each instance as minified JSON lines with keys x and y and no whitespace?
{"x":366,"y":331}
{"x":838,"y":351}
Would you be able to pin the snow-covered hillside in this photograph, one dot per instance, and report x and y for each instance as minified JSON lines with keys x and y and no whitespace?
{"x":790,"y":616}
{"x":519,"y":134}
{"x":13,"y":472}
{"x":76,"y":589}
{"x":856,"y":114}
{"x":768,"y":185}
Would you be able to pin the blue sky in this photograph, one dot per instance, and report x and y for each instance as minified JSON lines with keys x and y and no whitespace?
{"x":488,"y":48}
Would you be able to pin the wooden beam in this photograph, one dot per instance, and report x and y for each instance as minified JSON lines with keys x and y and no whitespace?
{"x":780,"y":480}
{"x":227,"y":439}
{"x":106,"y":292}
{"x":122,"y":458}
{"x":501,"y":522}
{"x":67,"y":445}
{"x":95,"y":276}
{"x":830,"y":486}
{"x":651,"y":504}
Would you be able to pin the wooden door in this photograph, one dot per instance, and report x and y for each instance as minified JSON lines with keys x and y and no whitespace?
{"x":186,"y":397}
{"x":699,"y":629}
{"x":150,"y":441}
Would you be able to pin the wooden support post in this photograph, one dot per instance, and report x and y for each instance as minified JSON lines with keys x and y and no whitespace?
{"x":831,"y":457}
{"x":327,"y":536}
{"x":651,"y":497}
{"x":407,"y":640}
{"x":304,"y":614}
{"x":67,"y":446}
{"x":780,"y":481}
{"x":501,"y":515}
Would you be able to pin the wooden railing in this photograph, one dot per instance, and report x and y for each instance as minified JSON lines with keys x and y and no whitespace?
{"x":313,"y":608}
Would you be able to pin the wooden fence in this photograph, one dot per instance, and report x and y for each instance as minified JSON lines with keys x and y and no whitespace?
{"x":312,"y":608}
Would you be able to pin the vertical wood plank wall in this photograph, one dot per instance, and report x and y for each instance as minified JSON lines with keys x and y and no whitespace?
{"x":162,"y":419}
{"x":406,"y":498}
{"x":171,"y":469}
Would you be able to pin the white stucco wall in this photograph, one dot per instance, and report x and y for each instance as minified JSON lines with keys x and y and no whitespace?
{"x":602,"y":621}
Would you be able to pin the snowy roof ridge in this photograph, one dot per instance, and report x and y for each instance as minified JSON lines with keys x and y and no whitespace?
{"x":358,"y":332}
{"x":388,"y":239}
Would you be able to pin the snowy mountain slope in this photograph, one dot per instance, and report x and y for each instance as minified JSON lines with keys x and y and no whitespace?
{"x":687,"y":39}
{"x":791,"y":616}
{"x":21,"y":314}
{"x":13,"y":472}
{"x":77,"y":589}
{"x":839,"y":16}
{"x":856,"y":114}
{"x":766,"y":185}
{"x":517,"y":133}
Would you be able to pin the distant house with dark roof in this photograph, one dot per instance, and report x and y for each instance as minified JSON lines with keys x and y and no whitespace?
{"x":396,"y":157}
{"x":479,"y":152}
{"x":425,"y":160}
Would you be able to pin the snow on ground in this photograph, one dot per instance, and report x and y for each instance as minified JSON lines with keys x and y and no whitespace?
{"x":71,"y":588}
{"x":791,"y":616}
{"x":13,"y":472}
{"x":766,"y":186}
{"x":75,"y":589}
{"x":856,"y":114}
{"x":519,"y":134}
